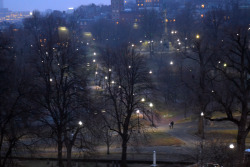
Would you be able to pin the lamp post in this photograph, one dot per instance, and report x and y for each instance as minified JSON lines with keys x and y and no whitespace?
{"x":143,"y":100}
{"x":202,"y":125}
{"x":231,"y":153}
{"x":151,"y":106}
{"x":202,"y":137}
{"x":138,"y":123}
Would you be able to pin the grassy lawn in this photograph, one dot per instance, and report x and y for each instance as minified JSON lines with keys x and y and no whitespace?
{"x":227,"y":135}
{"x":163,"y":139}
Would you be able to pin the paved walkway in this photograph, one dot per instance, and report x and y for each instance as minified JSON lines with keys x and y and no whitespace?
{"x":186,"y":152}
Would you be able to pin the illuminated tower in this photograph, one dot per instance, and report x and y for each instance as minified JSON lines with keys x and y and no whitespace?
{"x":117,"y":6}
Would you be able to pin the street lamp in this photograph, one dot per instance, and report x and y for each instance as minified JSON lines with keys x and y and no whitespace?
{"x":202,"y":125}
{"x":138,"y":123}
{"x":151,"y":106}
{"x":80,"y":123}
{"x":231,"y":146}
{"x":231,"y":151}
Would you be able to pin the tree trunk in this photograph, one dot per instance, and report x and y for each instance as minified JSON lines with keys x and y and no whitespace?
{"x":59,"y":149}
{"x":241,"y":139}
{"x":69,"y":151}
{"x":124,"y":152}
{"x":108,"y":149}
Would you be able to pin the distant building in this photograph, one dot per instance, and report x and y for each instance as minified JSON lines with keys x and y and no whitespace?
{"x":131,"y":17}
{"x":117,"y":6}
{"x":10,"y":16}
{"x":148,"y":4}
{"x":70,"y":11}
{"x":1,"y":4}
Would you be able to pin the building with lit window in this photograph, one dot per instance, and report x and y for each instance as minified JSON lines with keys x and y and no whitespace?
{"x":10,"y":16}
{"x":148,"y":4}
{"x":117,"y":6}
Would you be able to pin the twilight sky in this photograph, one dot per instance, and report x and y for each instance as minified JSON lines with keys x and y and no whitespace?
{"x":30,"y":5}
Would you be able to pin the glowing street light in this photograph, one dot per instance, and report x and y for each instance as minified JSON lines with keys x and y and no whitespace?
{"x":63,"y":28}
{"x":138,"y":123}
{"x":151,"y":106}
{"x":110,"y":70}
{"x":150,"y":72}
{"x":231,"y":146}
{"x":202,"y":125}
{"x":94,"y":61}
{"x":80,"y":123}
{"x":142,"y":100}
{"x":171,"y":63}
{"x":50,"y":79}
{"x":197,"y":36}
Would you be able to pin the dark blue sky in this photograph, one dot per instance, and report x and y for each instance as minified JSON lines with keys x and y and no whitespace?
{"x":29,"y":5}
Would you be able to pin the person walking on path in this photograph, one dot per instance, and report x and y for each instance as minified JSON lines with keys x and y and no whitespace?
{"x":172,"y":124}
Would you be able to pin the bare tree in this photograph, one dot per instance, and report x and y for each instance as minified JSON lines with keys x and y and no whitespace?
{"x":127,"y":82}
{"x":14,"y":107}
{"x":151,"y":26}
{"x":231,"y":87}
{"x":60,"y":80}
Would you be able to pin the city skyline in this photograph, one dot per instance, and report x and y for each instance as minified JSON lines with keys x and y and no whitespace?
{"x":41,"y":5}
